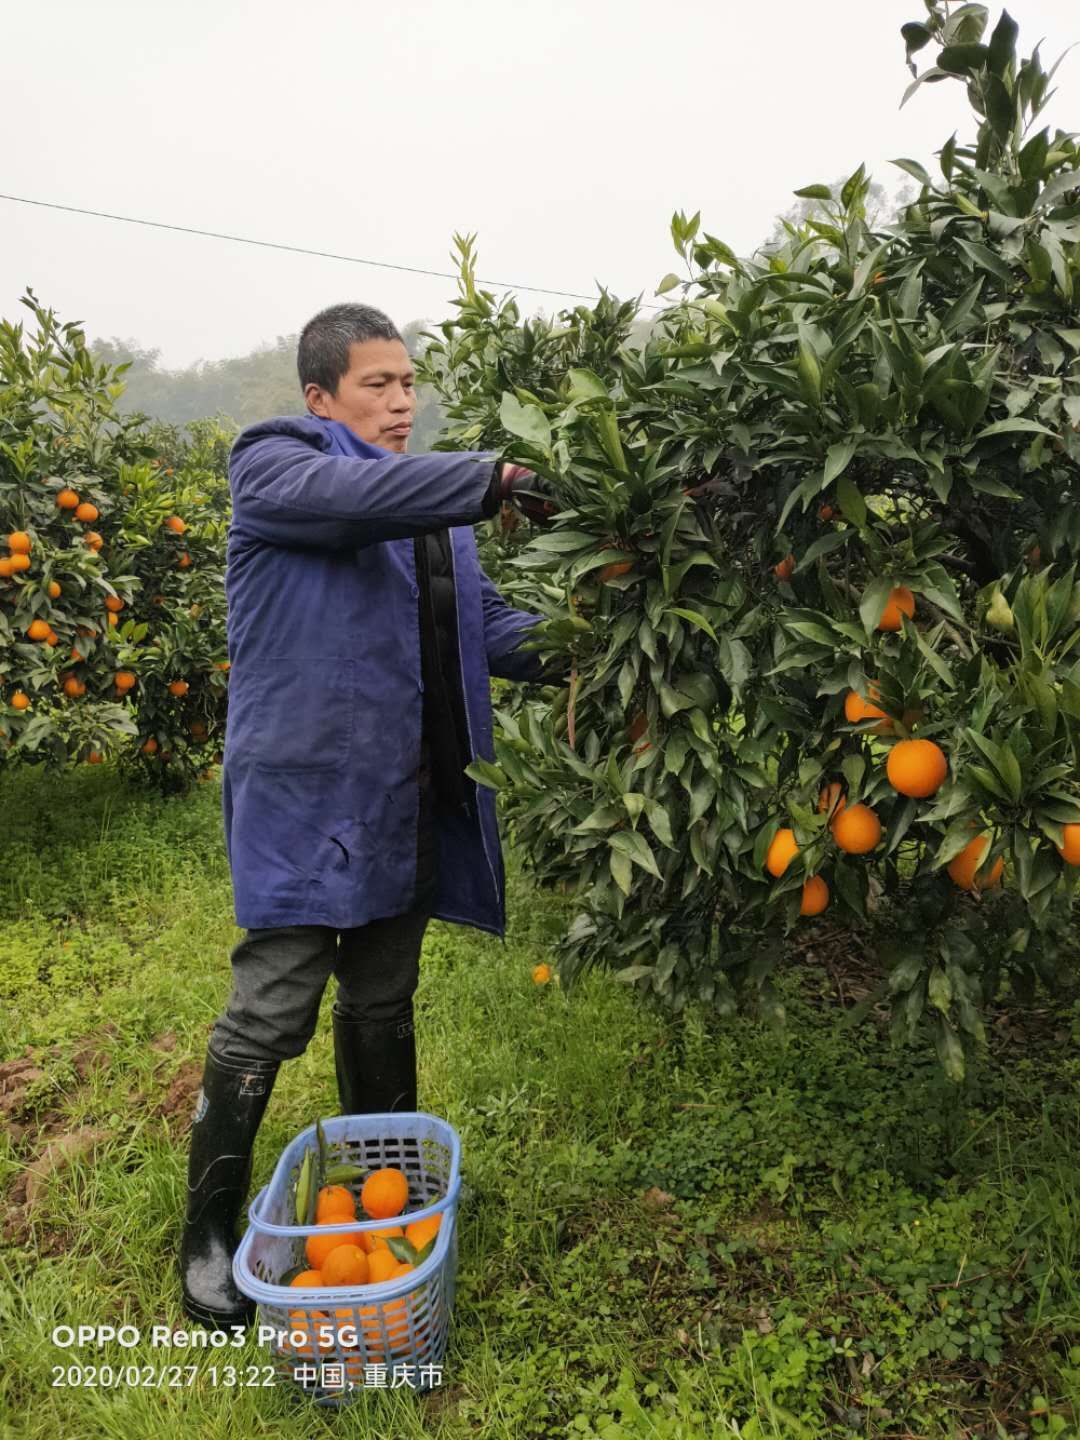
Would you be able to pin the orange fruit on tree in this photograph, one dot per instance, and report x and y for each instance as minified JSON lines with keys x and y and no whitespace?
{"x":916,"y":768}
{"x":815,"y":896}
{"x":856,"y":830}
{"x":178,"y":687}
{"x":782,"y":850}
{"x":5,"y":568}
{"x":307,"y":1279}
{"x":372,"y":1240}
{"x":318,"y":1247}
{"x":785,"y":569}
{"x":335,"y":1200}
{"x":20,"y":700}
{"x":19,"y":542}
{"x":67,"y":499}
{"x":38,"y":629}
{"x":825,"y":512}
{"x":86,"y":512}
{"x":611,"y":572}
{"x":52,"y":638}
{"x":900,"y":602}
{"x":114,"y":603}
{"x":93,"y":539}
{"x":94,"y":757}
{"x":1070,"y":851}
{"x":832,"y":799}
{"x":382,"y":1264}
{"x":384,"y":1193}
{"x":175,"y":524}
{"x":74,"y":687}
{"x":345,"y":1265}
{"x":963,"y":867}
{"x":125,"y":680}
{"x":421,"y":1231}
{"x":54,"y":590}
{"x":184,"y":561}
{"x":857,"y":709}
{"x":18,"y":563}
{"x":223,"y":664}
{"x":148,"y":748}
{"x":114,"y":620}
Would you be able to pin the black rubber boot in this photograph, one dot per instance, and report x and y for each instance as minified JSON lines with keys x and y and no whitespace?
{"x":376,"y":1064}
{"x":230,"y":1107}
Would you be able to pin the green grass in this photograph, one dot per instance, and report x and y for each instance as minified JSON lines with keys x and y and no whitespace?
{"x":669,"y":1229}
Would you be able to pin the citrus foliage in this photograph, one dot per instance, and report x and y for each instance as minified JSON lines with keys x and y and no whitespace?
{"x":830,"y":507}
{"x":112,"y":634}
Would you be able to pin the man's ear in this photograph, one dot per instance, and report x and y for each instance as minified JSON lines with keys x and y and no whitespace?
{"x":315,"y":400}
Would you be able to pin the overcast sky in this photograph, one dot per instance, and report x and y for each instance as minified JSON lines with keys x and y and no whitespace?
{"x":564,"y":132}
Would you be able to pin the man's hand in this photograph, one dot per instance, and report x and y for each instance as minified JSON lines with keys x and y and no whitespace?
{"x":528,"y":492}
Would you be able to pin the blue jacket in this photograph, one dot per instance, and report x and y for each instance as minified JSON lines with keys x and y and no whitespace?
{"x":322,"y":746}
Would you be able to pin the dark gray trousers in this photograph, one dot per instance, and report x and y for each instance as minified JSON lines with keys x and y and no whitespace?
{"x":279,"y":974}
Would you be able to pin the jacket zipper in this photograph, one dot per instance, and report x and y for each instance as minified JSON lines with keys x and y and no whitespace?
{"x":465,"y":707}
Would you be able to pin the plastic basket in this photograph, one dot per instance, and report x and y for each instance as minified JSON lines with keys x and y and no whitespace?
{"x":400,"y":1327}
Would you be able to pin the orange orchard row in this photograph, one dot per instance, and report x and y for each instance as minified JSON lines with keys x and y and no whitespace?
{"x":20,"y":545}
{"x":18,"y":560}
{"x":916,"y":768}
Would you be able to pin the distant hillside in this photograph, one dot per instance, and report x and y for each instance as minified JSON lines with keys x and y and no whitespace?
{"x":245,"y":387}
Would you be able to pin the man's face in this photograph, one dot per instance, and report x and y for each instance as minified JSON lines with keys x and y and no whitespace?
{"x":376,"y":397}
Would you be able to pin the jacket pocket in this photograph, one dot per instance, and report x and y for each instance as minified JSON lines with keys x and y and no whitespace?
{"x":302,"y":714}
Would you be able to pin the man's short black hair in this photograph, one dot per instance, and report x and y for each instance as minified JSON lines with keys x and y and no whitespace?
{"x":322,"y":357}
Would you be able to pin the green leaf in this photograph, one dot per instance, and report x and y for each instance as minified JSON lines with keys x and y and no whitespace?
{"x":963,"y":59}
{"x":809,"y":371}
{"x":916,"y":37}
{"x":660,"y":822}
{"x":874,"y":598}
{"x":838,"y":459}
{"x":915,"y":170}
{"x":669,"y":282}
{"x":586,"y":385}
{"x":636,"y":848}
{"x":484,"y":773}
{"x":621,"y":870}
{"x":1015,"y":426}
{"x":695,"y":619}
{"x":939,"y":989}
{"x":814,"y":192}
{"x":527,"y":422}
{"x":852,"y":504}
{"x":950,"y":1050}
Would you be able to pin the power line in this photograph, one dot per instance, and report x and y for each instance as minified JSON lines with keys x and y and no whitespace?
{"x":295,"y":249}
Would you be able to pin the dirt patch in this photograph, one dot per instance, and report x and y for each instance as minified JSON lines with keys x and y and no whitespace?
{"x":94,"y":1051}
{"x":16,"y":1078}
{"x":443,"y":1398}
{"x":179,"y":1102}
{"x":164,"y":1044}
{"x":654,"y":1199}
{"x":59,"y":1152}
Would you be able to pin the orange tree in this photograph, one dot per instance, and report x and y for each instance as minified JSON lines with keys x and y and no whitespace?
{"x":111,"y":605}
{"x":816,"y":561}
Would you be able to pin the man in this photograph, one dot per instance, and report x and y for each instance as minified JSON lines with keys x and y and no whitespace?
{"x":362,"y":633}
